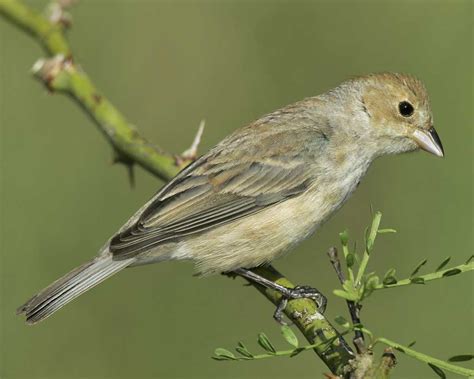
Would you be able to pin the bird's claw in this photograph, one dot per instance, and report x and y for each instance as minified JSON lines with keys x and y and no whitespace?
{"x":306,"y":292}
{"x":299,"y":292}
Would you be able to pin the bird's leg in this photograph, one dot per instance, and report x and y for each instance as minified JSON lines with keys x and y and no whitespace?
{"x":299,"y":292}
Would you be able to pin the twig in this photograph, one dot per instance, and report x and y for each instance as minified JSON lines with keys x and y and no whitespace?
{"x":61,"y":73}
{"x":422,"y":279}
{"x":354,"y":308}
{"x":425,"y":358}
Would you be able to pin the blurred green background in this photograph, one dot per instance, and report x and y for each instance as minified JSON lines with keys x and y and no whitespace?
{"x":166,"y":66}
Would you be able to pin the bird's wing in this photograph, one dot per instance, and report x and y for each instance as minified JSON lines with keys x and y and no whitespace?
{"x":256,"y":167}
{"x":210,"y":193}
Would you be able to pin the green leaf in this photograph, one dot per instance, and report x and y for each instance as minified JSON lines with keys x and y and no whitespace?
{"x":348,"y":286}
{"x":289,"y":335}
{"x":242,"y":349}
{"x":244,"y":352}
{"x":437,"y":370}
{"x":390,"y":281}
{"x":452,"y":272}
{"x":443,"y":264}
{"x":371,"y":283}
{"x":350,"y":259}
{"x":388,"y":230}
{"x":417,"y":280}
{"x":296,"y":352}
{"x":418,"y":267}
{"x":350,"y":290}
{"x":342,"y":321}
{"x":223,"y":354}
{"x":469,"y":259}
{"x":264,"y":342}
{"x":461,"y":358}
{"x":389,"y":277}
{"x":344,"y":236}
{"x":346,"y":295}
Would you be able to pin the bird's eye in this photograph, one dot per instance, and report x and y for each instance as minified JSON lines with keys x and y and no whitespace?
{"x":405,"y":109}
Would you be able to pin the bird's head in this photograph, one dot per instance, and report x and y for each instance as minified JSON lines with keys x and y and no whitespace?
{"x":399,"y":114}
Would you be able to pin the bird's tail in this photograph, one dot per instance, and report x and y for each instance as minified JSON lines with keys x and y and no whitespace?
{"x":70,"y":286}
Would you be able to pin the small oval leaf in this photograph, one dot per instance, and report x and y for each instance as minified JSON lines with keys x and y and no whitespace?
{"x":265,"y":343}
{"x":390,"y":273}
{"x":344,"y":236}
{"x":289,"y":335}
{"x":244,"y":352}
{"x":418,"y":267}
{"x":223,"y":354}
{"x":387,"y":230}
{"x":443,"y":264}
{"x":417,"y":280}
{"x":350,"y":259}
{"x":437,"y":370}
{"x":372,"y":282}
{"x":461,"y":358}
{"x":452,"y":272}
{"x":345,"y":295}
{"x":296,"y":351}
{"x":390,"y":280}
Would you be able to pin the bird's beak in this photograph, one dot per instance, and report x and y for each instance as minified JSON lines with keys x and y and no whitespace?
{"x":429,"y":141}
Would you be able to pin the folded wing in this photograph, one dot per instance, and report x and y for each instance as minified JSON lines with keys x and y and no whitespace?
{"x":209,"y":194}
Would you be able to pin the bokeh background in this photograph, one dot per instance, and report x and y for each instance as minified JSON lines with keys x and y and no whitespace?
{"x":166,"y":65}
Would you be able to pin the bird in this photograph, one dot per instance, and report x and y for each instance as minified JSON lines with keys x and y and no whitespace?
{"x":264,"y":188}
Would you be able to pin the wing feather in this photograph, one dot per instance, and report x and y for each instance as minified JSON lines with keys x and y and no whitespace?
{"x":196,"y":203}
{"x":223,"y":186}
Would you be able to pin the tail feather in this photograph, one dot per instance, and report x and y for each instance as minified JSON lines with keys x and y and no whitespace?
{"x":70,"y":286}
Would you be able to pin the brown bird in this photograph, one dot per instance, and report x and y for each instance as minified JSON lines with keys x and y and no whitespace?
{"x":264,"y":188}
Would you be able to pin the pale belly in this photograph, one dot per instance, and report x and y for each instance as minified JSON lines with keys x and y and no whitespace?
{"x":266,"y":235}
{"x":259,"y":238}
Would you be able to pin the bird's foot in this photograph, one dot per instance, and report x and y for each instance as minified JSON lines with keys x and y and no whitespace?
{"x":299,"y":292}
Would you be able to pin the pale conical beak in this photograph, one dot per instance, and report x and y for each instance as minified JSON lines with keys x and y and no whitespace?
{"x":429,"y":141}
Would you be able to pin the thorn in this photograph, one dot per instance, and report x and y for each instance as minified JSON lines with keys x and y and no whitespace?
{"x":38,"y":66}
{"x":57,"y":14}
{"x":47,"y":70}
{"x":131,"y":175}
{"x":191,"y":153}
{"x":119,"y":158}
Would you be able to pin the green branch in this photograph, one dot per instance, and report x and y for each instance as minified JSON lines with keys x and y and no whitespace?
{"x":437,"y":363}
{"x":369,"y":245}
{"x":60,"y":73}
{"x":422,"y":279}
{"x":364,"y":363}
{"x":49,"y":34}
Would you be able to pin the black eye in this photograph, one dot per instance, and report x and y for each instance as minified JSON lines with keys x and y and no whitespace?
{"x":405,"y":109}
